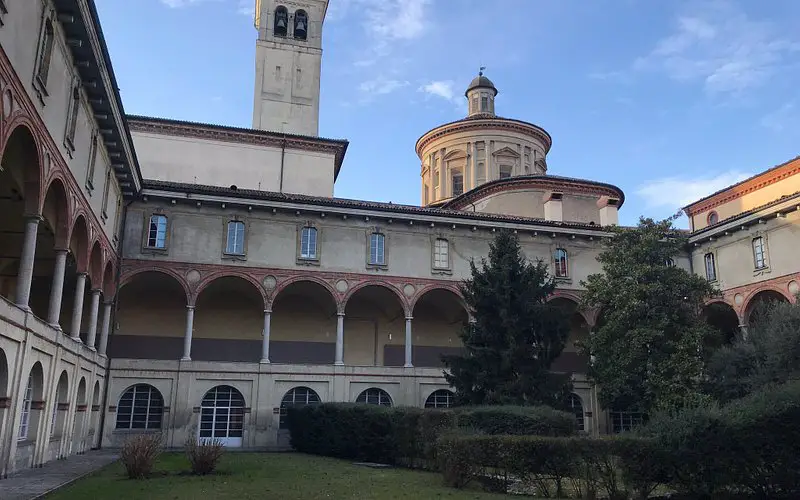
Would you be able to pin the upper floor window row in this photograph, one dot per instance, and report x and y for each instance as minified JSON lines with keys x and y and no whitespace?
{"x":281,"y":23}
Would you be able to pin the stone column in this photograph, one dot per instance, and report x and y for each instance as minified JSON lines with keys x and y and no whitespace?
{"x":77,"y":310}
{"x":57,"y":289}
{"x":408,"y":364}
{"x":104,"y":328}
{"x":94,"y":309}
{"x":475,"y":164}
{"x":187,"y":338}
{"x":265,"y":340}
{"x":339,"y":339}
{"x":25,"y":275}
{"x":490,"y":167}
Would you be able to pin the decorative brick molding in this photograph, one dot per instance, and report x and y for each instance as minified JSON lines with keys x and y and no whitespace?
{"x":740,"y":298}
{"x":80,"y":408}
{"x":37,"y":405}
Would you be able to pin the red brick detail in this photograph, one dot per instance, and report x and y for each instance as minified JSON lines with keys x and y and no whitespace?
{"x":747,"y":292}
{"x":81,"y":408}
{"x":37,"y":405}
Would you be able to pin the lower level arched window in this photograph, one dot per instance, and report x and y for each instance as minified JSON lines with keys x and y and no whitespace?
{"x":222,"y":415}
{"x":440,"y":399}
{"x":140,"y":407}
{"x":299,"y":396}
{"x":576,"y":407}
{"x":375,"y":396}
{"x":624,"y":421}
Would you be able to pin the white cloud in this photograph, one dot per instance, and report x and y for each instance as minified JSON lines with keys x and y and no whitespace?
{"x":441,"y":88}
{"x":380,"y":86}
{"x":246,"y":7}
{"x":782,"y":118}
{"x":718,"y":45}
{"x":175,"y":4}
{"x":677,"y":192}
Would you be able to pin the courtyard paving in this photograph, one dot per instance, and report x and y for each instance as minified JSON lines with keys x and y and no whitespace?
{"x":34,"y":483}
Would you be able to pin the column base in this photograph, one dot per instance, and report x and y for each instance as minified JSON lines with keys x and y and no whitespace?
{"x":92,"y":348}
{"x":264,"y":362}
{"x":76,"y":339}
{"x":186,"y":358}
{"x":24,"y":307}
{"x":55,"y":326}
{"x":408,"y":365}
{"x":339,"y":363}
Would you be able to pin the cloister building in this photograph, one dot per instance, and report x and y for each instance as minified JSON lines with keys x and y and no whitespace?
{"x":146,"y":289}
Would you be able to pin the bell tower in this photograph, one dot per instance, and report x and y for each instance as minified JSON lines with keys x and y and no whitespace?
{"x":288,"y":65}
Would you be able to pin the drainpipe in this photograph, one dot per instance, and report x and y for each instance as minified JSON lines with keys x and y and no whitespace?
{"x":283,"y":158}
{"x":104,"y":399}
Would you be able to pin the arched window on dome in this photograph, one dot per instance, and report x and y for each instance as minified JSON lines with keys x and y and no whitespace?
{"x":300,"y":25}
{"x":281,"y":25}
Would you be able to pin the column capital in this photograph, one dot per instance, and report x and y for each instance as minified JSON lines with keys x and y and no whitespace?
{"x":340,"y":314}
{"x":61,"y":250}
{"x":108,"y":303}
{"x":33,"y":218}
{"x":267,"y":311}
{"x":98,"y":291}
{"x":83,"y":273}
{"x":409,"y":317}
{"x":191,"y":308}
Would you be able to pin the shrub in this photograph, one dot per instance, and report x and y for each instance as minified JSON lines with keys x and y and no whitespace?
{"x":204,"y":455}
{"x":139,"y":454}
{"x":517,"y":420}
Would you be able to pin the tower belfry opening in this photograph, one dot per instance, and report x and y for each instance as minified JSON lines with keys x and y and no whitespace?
{"x":288,"y":66}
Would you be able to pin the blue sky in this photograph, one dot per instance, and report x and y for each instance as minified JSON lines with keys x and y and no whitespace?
{"x":669,"y":100}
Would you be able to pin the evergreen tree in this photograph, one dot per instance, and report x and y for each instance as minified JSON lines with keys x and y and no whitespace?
{"x":515,"y":336}
{"x":648,"y":348}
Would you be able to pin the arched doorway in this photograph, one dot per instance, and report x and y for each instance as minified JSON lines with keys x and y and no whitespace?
{"x":31,"y":409}
{"x":150,"y":318}
{"x":94,"y":417}
{"x":228,"y":321}
{"x":374,"y":318}
{"x":59,"y":439}
{"x":222,"y":416}
{"x":575,"y":406}
{"x":760,"y":305}
{"x":572,"y":360}
{"x":439,"y":317}
{"x":721,"y":317}
{"x":78,"y":430}
{"x":303,"y":324}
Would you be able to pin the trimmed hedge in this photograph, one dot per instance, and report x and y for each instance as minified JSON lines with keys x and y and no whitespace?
{"x":408,"y":436}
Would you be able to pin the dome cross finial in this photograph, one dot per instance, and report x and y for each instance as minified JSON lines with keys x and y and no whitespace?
{"x":481,"y":70}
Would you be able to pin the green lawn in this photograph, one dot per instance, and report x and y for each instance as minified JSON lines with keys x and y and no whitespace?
{"x":284,"y":476}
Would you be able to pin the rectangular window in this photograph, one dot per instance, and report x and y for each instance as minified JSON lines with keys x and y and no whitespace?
{"x":758,"y":253}
{"x":505,"y":172}
{"x":481,"y":178}
{"x":106,"y":192}
{"x":235,"y":243}
{"x":376,"y":249}
{"x":458,"y":184}
{"x":25,"y":417}
{"x":711,"y":270}
{"x":474,"y":104}
{"x":484,"y":104}
{"x":441,"y":254}
{"x":561,"y":259}
{"x":308,"y":243}
{"x":72,"y":123}
{"x":92,"y":161}
{"x":157,"y":232}
{"x":45,"y":52}
{"x":425,"y":194}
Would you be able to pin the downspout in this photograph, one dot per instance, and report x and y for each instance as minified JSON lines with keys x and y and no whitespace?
{"x":104,"y":400}
{"x":283,"y":158}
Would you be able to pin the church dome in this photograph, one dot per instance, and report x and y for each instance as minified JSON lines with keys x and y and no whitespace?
{"x":481,"y":82}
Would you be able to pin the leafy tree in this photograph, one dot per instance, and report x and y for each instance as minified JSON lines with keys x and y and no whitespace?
{"x":769,"y":354}
{"x":647,"y":349}
{"x":516,"y":335}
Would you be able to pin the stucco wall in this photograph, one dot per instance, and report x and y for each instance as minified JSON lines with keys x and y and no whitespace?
{"x":530,"y":203}
{"x":19,"y":39}
{"x":217,"y":163}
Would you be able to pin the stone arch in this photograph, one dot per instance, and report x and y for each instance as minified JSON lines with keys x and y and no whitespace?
{"x":229,"y":319}
{"x":236,"y":275}
{"x":108,"y":285}
{"x":563,"y":296}
{"x":306,"y":278}
{"x":60,"y":407}
{"x":56,"y":212}
{"x":380,"y":284}
{"x":439,"y":316}
{"x":151,"y":315}
{"x":759,"y":300}
{"x":131,"y":275}
{"x":79,"y":242}
{"x":572,"y":359}
{"x":375,"y":315}
{"x":442,"y":287}
{"x":303,"y":322}
{"x":722,"y":317}
{"x":96,"y":266}
{"x":21,"y":156}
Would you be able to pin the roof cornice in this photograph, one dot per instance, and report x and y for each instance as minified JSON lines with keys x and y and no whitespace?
{"x":749,"y":185}
{"x":165,"y":126}
{"x":547,"y":182}
{"x":483,"y":122}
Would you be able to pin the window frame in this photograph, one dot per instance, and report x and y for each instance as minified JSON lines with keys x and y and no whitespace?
{"x":485,"y":103}
{"x":280,"y":8}
{"x":372,"y":392}
{"x":456,"y":173}
{"x":294,"y":25}
{"x":625,"y":421}
{"x":44,"y":54}
{"x":226,"y":227}
{"x":90,"y":169}
{"x":436,"y":266}
{"x":580,"y":418}
{"x":500,"y":170}
{"x":446,"y":393}
{"x":307,"y":259}
{"x":712,"y":218}
{"x":762,"y":246}
{"x":25,"y":411}
{"x":385,"y":242}
{"x":146,"y":247}
{"x":151,"y":410}
{"x":106,"y":195}
{"x":558,"y":273}
{"x":311,"y":398}
{"x":73,"y":107}
{"x":709,"y":257}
